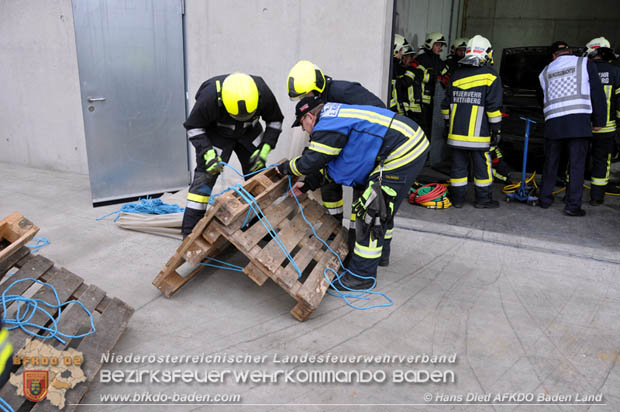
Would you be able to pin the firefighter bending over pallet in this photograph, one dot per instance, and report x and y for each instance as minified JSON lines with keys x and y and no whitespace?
{"x":378,"y":153}
{"x":225,"y":119}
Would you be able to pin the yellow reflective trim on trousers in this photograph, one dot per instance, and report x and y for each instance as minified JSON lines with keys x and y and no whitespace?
{"x":487,"y":158}
{"x":325,"y":149}
{"x":368,"y":252}
{"x":332,"y":205}
{"x":472,"y":120}
{"x":294,"y":166}
{"x":596,"y":181}
{"x":607,"y":129}
{"x":485,"y":79}
{"x":445,"y":111}
{"x":388,"y":234}
{"x":198,"y":198}
{"x":458,"y":180}
{"x":353,"y":217}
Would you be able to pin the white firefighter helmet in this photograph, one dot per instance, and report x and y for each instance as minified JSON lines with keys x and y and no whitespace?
{"x":594,"y":46}
{"x":432,"y":38}
{"x":400,"y":43}
{"x":479,"y":51}
{"x":459,"y":43}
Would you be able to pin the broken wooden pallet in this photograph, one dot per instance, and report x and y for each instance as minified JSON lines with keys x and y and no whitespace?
{"x":227,"y":222}
{"x":111,"y":317}
{"x":15,"y":231}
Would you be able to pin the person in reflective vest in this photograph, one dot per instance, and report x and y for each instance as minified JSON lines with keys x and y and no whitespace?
{"x":472,"y":114}
{"x":599,"y":51}
{"x":574,"y":105}
{"x":378,"y":153}
{"x":225,"y":119}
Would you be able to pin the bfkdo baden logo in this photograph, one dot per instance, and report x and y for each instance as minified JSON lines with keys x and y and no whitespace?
{"x":36,"y":384}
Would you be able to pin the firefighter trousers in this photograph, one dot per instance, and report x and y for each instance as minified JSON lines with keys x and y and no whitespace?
{"x":368,"y":250}
{"x":203,"y":182}
{"x":483,"y":175}
{"x":602,"y":146}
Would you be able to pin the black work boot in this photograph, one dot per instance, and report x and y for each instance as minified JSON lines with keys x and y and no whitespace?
{"x":347,"y":283}
{"x":190,"y":218}
{"x":489,"y":204}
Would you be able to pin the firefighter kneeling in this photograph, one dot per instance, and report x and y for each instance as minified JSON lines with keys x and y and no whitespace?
{"x":378,"y":153}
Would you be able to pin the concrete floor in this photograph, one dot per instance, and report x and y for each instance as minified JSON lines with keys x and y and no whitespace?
{"x":524,"y":311}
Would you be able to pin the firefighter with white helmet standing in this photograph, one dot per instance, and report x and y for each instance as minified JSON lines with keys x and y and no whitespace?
{"x":407,"y":78}
{"x":472,"y":114}
{"x":457,"y":52}
{"x":225,"y":119}
{"x":599,"y":51}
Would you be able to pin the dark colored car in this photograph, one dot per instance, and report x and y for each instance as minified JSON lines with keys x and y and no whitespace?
{"x":523,"y":97}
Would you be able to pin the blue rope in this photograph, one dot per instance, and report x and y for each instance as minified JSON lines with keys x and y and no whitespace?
{"x":5,"y":407}
{"x":39,"y":243}
{"x":24,"y":316}
{"x":146,"y":206}
{"x":254,"y":209}
{"x":228,"y":266}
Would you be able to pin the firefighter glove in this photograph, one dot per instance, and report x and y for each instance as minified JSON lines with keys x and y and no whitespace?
{"x":259,"y":157}
{"x":212,"y":162}
{"x":367,"y":207}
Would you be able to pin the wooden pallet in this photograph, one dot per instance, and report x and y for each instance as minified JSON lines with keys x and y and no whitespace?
{"x":111,"y":319}
{"x":222,"y":227}
{"x":15,"y":231}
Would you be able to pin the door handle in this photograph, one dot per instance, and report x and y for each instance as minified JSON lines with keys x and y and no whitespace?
{"x":95,"y":99}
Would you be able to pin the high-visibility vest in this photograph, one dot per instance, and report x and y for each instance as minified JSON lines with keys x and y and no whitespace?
{"x":566,"y":86}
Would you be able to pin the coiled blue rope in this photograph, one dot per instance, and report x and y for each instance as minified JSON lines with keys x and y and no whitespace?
{"x":256,"y":210}
{"x":28,"y":307}
{"x":39,"y":242}
{"x":146,"y":206}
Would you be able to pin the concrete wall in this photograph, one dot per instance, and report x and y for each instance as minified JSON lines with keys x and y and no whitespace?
{"x":40,"y":115}
{"x":509,"y":23}
{"x":347,"y":39}
{"x":40,"y":109}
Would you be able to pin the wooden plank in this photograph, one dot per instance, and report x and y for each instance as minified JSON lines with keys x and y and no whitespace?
{"x":112,"y":324}
{"x":275,"y":214}
{"x":310,"y":246}
{"x":12,"y":260}
{"x":33,"y":267}
{"x":316,"y":285}
{"x":65,"y":284}
{"x":70,"y":323}
{"x":271,"y":255}
{"x":254,"y":273}
{"x":169,"y":269}
{"x":18,"y":231}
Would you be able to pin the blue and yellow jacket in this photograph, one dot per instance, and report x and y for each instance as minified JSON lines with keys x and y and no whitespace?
{"x":472,"y":105}
{"x":352,"y":141}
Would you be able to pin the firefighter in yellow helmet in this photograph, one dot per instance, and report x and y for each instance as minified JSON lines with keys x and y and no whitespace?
{"x":225,"y":119}
{"x":307,"y":79}
{"x":599,"y":51}
{"x":471,"y":109}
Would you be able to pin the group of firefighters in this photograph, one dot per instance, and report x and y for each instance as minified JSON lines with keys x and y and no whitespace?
{"x":355,"y":140}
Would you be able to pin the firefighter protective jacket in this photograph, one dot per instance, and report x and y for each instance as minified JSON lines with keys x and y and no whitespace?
{"x":407,"y":88}
{"x":210,"y":124}
{"x":341,"y":91}
{"x":352,"y":141}
{"x":472,"y":105}
{"x":610,"y":78}
{"x":436,"y":68}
